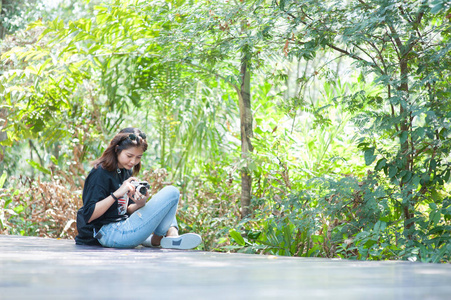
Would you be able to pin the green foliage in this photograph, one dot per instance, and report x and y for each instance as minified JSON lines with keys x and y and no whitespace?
{"x":15,"y":16}
{"x":402,"y":125}
{"x":405,"y":49}
{"x":210,"y":206}
{"x":346,"y":218}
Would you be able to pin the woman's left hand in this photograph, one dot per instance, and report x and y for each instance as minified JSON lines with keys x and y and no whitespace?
{"x":140,"y":199}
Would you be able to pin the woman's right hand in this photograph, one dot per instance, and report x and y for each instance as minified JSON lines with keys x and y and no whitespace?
{"x":126,"y":187}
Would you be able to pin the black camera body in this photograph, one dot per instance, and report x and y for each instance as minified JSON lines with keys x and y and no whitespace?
{"x":141,"y":186}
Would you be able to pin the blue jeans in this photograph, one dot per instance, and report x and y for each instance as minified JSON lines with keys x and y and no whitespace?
{"x":155,"y":217}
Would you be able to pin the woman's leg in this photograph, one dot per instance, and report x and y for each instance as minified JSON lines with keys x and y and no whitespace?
{"x":154,"y":240}
{"x":155,"y":217}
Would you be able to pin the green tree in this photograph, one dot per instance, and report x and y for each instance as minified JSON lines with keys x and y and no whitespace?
{"x":228,"y":41}
{"x":404,"y":47}
{"x":113,"y":63}
{"x":43,"y":111}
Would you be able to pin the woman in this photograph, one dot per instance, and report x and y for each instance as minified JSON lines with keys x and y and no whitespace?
{"x":115,"y":214}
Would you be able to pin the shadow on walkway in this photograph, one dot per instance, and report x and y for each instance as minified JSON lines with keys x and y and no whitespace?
{"x":39,"y":268}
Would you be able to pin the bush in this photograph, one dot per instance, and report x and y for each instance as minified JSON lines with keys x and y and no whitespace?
{"x":345,"y":218}
{"x":35,"y":208}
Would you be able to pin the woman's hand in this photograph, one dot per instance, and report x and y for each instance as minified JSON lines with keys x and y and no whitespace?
{"x":140,"y":199}
{"x":126,"y":187}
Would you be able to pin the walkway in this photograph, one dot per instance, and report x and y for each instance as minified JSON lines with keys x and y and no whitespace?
{"x":38,"y":268}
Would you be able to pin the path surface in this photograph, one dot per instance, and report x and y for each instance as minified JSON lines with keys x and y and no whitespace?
{"x":38,"y":268}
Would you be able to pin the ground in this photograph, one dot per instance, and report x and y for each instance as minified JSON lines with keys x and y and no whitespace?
{"x":40,"y":268}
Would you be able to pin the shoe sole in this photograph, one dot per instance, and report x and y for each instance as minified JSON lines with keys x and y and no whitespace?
{"x":183,"y":242}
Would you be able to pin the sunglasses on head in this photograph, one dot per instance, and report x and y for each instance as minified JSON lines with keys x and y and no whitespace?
{"x":133,"y":136}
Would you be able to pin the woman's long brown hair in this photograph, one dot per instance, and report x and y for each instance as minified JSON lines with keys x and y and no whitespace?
{"x":120,"y":142}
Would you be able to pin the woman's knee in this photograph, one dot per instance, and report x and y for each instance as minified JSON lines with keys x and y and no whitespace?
{"x":172,"y":193}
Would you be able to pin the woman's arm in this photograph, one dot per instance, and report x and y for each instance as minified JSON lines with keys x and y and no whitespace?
{"x":103,"y":205}
{"x":133,"y":207}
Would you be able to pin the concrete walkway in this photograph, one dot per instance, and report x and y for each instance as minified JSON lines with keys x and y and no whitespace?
{"x":38,"y":268}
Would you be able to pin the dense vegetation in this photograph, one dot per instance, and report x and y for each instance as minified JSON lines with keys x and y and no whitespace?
{"x":292,"y":127}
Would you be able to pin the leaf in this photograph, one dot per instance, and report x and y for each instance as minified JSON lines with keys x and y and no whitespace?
{"x":447,"y":175}
{"x":254,"y":234}
{"x":368,"y":244}
{"x":418,"y":133}
{"x":18,"y":209}
{"x":403,"y":137}
{"x":38,"y":167}
{"x":369,"y":156}
{"x":434,"y":217}
{"x":433,"y":164}
{"x":380,"y":164}
{"x":42,"y":67}
{"x":3,"y":179}
{"x":416,"y":180}
{"x":425,"y":178}
{"x":392,"y":171}
{"x":437,"y":6}
{"x":435,"y":195}
{"x":237,"y":237}
{"x":100,"y":8}
{"x":407,"y":176}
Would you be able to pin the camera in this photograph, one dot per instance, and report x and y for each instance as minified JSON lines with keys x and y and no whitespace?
{"x":141,"y":186}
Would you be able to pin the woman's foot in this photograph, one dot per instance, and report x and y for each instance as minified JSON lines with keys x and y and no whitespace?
{"x":154,"y":240}
{"x":172,"y":231}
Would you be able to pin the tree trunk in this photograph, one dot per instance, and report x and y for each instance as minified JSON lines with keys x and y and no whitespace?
{"x":405,"y":127}
{"x":2,"y":29}
{"x":246,"y":133}
{"x":3,"y":134}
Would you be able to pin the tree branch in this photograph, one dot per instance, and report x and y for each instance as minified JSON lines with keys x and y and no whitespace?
{"x":394,"y":45}
{"x":347,"y":53}
{"x":237,"y":89}
{"x":392,"y":107}
{"x":374,"y":62}
{"x":405,"y":15}
{"x":398,"y":42}
{"x":379,"y":52}
{"x":420,"y":13}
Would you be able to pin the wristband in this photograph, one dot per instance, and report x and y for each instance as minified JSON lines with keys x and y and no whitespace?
{"x":114,"y":197}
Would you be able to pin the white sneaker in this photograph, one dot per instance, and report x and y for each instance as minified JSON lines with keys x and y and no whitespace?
{"x":185,"y":241}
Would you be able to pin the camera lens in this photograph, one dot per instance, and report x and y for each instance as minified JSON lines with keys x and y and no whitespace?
{"x":142,"y":190}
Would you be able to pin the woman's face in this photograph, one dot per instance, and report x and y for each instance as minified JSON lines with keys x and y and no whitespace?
{"x":130,"y":157}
